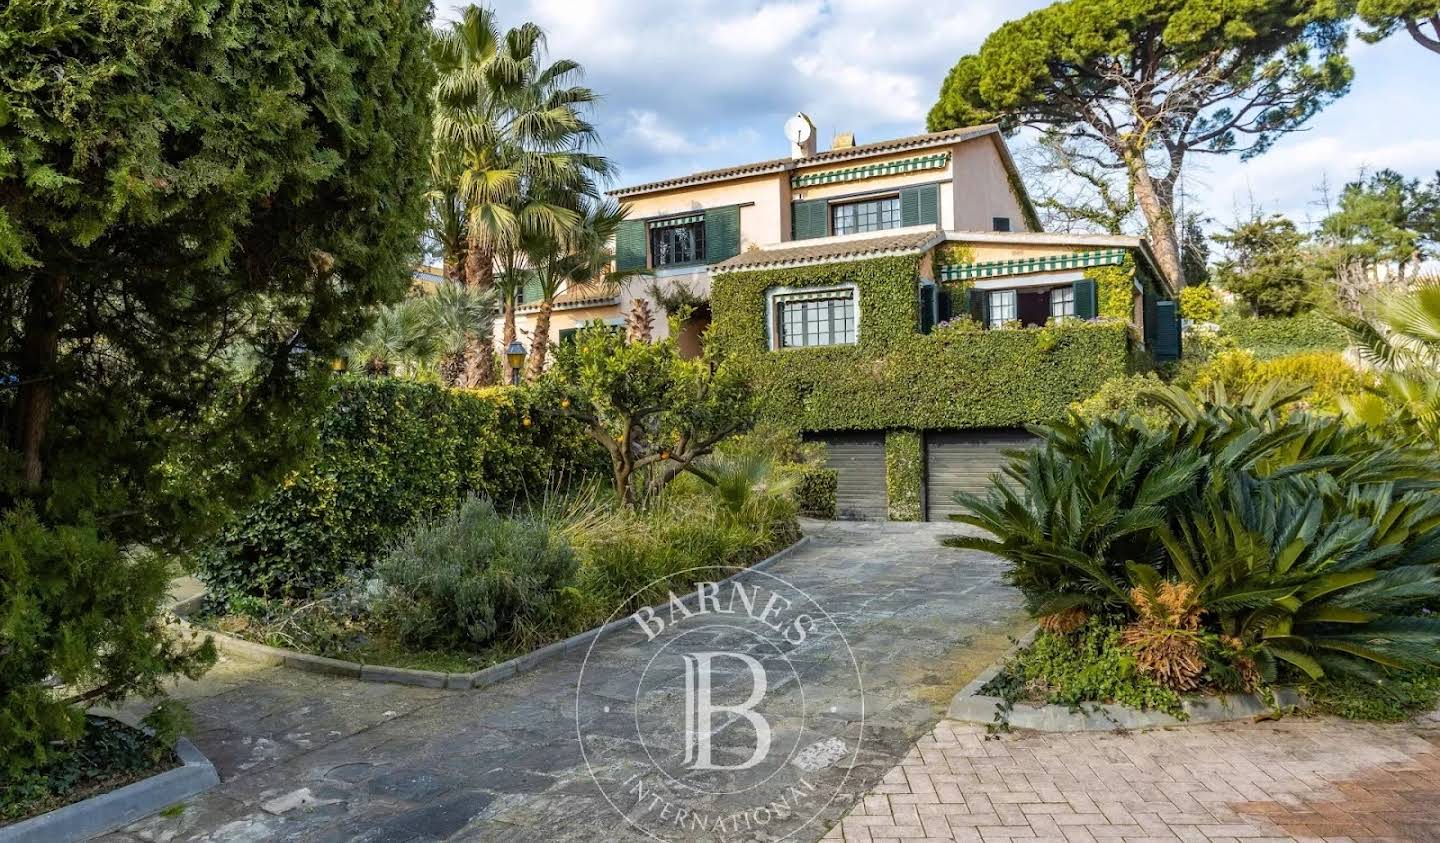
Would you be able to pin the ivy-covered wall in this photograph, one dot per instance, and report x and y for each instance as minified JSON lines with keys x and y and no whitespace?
{"x":904,"y":474}
{"x":896,"y":377}
{"x":903,"y":382}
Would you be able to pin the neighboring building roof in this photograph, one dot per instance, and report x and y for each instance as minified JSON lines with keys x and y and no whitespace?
{"x":849,"y":247}
{"x":780,"y":165}
{"x":429,"y":274}
{"x":577,"y":297}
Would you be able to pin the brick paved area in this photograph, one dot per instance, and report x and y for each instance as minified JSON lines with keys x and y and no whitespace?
{"x":1305,"y":779}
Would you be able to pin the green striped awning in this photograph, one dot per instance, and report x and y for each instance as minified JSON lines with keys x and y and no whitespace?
{"x":816,"y":295}
{"x":870,"y":171}
{"x":685,"y":220}
{"x":1021,"y":266}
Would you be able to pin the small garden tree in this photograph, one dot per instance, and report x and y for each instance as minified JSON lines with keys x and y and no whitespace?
{"x":654,"y":412}
{"x":1265,"y":265}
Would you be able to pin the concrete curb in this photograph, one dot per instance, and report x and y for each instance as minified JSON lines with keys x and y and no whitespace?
{"x":110,"y":811}
{"x":276,"y":656}
{"x":970,"y":706}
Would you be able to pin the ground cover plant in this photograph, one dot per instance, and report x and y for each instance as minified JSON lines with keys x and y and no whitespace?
{"x":1234,"y":546}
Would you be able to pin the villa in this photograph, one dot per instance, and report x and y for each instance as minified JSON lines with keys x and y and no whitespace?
{"x":883,"y":290}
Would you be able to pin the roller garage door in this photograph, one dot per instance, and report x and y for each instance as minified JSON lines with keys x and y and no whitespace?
{"x":859,"y":463}
{"x":964,"y":462}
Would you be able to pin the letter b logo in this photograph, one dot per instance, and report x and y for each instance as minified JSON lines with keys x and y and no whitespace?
{"x":700,"y":711}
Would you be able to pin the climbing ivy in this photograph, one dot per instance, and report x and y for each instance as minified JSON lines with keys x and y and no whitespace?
{"x":904,"y":474}
{"x":895,"y":377}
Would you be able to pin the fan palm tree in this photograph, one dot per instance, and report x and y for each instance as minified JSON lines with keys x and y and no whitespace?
{"x":503,"y":123}
{"x":400,"y":341}
{"x":583,"y":255}
{"x":460,"y":317}
{"x":1400,"y":336}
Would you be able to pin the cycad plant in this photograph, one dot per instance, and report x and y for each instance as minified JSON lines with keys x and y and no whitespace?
{"x":1299,"y":539}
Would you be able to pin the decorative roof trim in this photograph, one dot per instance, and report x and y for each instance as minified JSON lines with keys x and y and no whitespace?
{"x":863,"y":247}
{"x":782,"y":165}
{"x":573,"y":304}
{"x":870,"y":171}
{"x":1023,"y":266}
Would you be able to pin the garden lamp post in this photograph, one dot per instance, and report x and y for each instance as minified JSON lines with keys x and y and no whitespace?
{"x":515,"y":355}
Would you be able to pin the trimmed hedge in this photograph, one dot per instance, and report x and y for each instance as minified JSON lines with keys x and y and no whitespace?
{"x":390,"y":453}
{"x":1268,"y":338}
{"x":904,"y":474}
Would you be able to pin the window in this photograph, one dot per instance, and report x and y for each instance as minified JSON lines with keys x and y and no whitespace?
{"x":1004,"y":307}
{"x":1000,"y":223}
{"x":1062,"y":304}
{"x":814,"y":318}
{"x":869,"y":215}
{"x":677,"y":242}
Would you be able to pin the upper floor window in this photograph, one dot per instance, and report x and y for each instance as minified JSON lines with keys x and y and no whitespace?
{"x":1062,"y":304}
{"x":678,"y":242}
{"x":1004,"y":307}
{"x":814,"y":318}
{"x":865,"y":215}
{"x":1000,"y":223}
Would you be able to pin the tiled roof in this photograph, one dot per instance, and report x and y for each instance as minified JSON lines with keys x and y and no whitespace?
{"x":833,"y":249}
{"x":575,"y":297}
{"x":780,"y":165}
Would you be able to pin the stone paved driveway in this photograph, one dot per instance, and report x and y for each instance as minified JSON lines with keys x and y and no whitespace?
{"x":1301,"y":779}
{"x":307,"y":758}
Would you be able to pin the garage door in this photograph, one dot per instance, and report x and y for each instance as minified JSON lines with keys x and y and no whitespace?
{"x":964,"y":462}
{"x":859,"y":463}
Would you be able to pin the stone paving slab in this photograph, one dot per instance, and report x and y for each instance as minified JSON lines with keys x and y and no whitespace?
{"x":305,"y":757}
{"x":1314,"y":780}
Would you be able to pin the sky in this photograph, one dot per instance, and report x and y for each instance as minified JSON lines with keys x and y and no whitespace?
{"x":690,"y":85}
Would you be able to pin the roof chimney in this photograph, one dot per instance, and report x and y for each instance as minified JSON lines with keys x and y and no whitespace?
{"x":844,"y":140}
{"x":801,"y":134}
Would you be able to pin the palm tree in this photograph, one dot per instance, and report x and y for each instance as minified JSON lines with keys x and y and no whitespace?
{"x":400,"y":341}
{"x":504,"y":124}
{"x":460,"y":317}
{"x":446,"y":228}
{"x":1400,"y":336}
{"x":584,"y":255}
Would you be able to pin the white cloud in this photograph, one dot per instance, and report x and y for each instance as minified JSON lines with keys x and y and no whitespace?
{"x":768,"y":29}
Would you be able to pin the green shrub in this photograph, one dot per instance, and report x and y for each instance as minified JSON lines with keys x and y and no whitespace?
{"x":1391,"y":699}
{"x":1125,"y":394}
{"x":471,"y":577}
{"x":106,"y":753}
{"x":1326,"y":375}
{"x":815,"y":488}
{"x":76,"y":608}
{"x":1091,"y":665}
{"x":1200,"y":303}
{"x":904,"y":474}
{"x":391,"y":454}
{"x":1300,"y":537}
{"x":1266,"y":338}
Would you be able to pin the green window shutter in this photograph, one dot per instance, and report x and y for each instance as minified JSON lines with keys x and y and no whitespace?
{"x":927,"y":307}
{"x":920,"y":205}
{"x":1087,"y":299}
{"x":944,"y":303}
{"x":722,"y":233}
{"x":630,"y":251}
{"x":567,"y":335}
{"x":1148,"y":313}
{"x":809,"y":219}
{"x":1167,"y":331}
{"x":531,"y":292}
